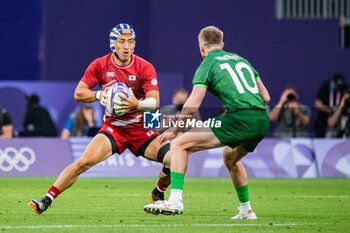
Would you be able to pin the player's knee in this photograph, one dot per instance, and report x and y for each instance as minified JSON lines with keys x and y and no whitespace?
{"x":228,"y":162}
{"x":229,"y":157}
{"x":231,"y":164}
{"x":162,"y":152}
{"x":226,"y":154}
{"x":235,"y":165}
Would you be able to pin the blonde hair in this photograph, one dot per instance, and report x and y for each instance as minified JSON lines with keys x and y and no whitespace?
{"x":211,"y":36}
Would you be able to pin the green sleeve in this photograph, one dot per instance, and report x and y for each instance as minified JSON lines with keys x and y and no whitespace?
{"x":200,"y":85}
{"x":256,"y":74}
{"x":201,"y":76}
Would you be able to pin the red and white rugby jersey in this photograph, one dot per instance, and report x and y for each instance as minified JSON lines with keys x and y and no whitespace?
{"x":139,"y":75}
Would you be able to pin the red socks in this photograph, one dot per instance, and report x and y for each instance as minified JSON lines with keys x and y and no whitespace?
{"x":161,"y":186}
{"x":53,"y":193}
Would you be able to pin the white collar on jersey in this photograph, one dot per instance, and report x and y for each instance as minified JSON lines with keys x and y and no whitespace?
{"x":123,"y":67}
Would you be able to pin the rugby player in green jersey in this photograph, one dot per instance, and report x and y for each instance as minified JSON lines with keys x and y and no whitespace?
{"x":237,"y":84}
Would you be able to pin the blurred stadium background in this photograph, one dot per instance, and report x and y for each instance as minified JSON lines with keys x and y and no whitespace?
{"x":50,"y":41}
{"x":47,"y":45}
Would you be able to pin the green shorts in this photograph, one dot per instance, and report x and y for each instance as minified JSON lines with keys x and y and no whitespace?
{"x":243,"y":127}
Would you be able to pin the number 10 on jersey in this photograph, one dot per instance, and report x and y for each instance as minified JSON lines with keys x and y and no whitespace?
{"x":239,"y":67}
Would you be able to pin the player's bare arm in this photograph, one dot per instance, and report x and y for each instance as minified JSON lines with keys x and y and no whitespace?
{"x":189,"y":109}
{"x":84,"y":94}
{"x":265,"y":96}
{"x":153,"y":94}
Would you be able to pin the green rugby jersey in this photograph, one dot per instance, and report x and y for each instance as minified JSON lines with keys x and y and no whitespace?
{"x":230,"y":78}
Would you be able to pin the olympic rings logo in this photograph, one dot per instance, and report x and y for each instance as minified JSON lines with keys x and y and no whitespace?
{"x":19,"y":159}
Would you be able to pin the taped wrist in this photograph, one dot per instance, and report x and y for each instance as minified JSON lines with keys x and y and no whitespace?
{"x":98,"y":95}
{"x":148,"y":104}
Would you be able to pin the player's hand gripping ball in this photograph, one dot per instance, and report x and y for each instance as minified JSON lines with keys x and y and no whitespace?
{"x":113,"y":98}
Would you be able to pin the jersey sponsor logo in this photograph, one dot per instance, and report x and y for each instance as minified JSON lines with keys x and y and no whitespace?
{"x":154,"y":81}
{"x":110,"y":74}
{"x":151,"y":120}
{"x":21,"y":159}
{"x":132,"y":77}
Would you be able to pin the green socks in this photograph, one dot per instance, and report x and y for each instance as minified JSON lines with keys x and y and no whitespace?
{"x":177,"y":180}
{"x":242,"y":193}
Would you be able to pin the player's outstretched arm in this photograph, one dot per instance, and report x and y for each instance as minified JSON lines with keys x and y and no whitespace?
{"x":84,"y":94}
{"x":265,"y":96}
{"x":194,"y":101}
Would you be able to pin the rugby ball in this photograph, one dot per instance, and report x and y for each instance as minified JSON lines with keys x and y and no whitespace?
{"x":112,"y":96}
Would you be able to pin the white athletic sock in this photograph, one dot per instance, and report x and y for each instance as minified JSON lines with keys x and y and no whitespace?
{"x":175,"y":195}
{"x":50,"y":196}
{"x":162,"y":191}
{"x":245,"y":207}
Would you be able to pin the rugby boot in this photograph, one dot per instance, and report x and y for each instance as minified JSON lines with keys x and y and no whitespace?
{"x":156,"y":196}
{"x":40,"y":206}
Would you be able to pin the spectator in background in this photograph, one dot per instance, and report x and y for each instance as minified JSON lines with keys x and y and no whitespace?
{"x":339,"y":120}
{"x":180,"y":96}
{"x":328,"y":99}
{"x":37,"y":121}
{"x":169,"y":111}
{"x":292,"y":117}
{"x":6,"y":127}
{"x":81,"y":123}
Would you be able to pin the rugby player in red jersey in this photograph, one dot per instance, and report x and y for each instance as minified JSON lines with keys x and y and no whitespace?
{"x":117,"y":133}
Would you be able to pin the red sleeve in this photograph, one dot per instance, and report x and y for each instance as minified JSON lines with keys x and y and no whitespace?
{"x":151,"y":81}
{"x":91,"y":76}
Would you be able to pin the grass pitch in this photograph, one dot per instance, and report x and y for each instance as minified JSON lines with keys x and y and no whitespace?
{"x":116,"y":205}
